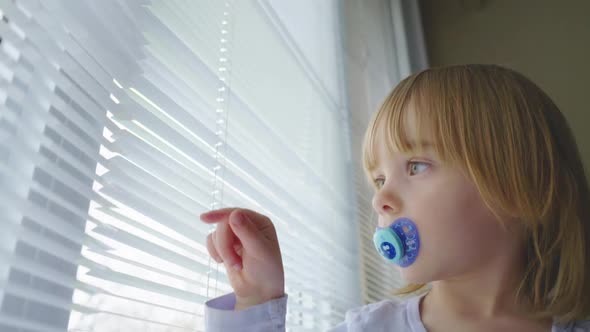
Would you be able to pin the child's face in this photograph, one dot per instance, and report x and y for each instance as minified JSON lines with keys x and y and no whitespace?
{"x":458,"y":233}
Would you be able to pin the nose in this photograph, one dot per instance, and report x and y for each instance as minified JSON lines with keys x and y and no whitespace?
{"x":387,"y":204}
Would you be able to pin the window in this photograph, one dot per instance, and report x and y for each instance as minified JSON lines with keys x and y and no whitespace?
{"x":122,"y":121}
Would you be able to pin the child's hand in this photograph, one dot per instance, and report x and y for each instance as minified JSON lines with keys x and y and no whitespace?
{"x":255,"y":247}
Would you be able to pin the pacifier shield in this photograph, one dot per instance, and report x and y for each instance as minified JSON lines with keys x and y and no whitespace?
{"x":399,"y":243}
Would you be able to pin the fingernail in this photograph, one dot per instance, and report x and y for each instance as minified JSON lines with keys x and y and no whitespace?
{"x":237,"y":266}
{"x":239,"y":221}
{"x":209,"y":215}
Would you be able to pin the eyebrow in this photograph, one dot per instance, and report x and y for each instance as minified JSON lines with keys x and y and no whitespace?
{"x":428,"y":145}
{"x":424,"y":143}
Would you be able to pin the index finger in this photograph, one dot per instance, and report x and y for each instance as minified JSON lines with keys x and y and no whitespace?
{"x":216,"y":215}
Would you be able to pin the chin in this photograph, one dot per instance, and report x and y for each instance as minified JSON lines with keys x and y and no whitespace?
{"x":413,"y":274}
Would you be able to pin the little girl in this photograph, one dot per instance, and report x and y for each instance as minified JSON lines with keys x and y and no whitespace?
{"x":482,"y":165}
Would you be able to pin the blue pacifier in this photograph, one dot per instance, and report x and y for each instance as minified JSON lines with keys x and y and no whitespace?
{"x":399,"y":242}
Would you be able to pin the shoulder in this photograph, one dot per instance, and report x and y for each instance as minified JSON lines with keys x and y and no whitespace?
{"x":581,"y":326}
{"x":575,"y":326}
{"x":386,"y":314}
{"x":376,"y":307}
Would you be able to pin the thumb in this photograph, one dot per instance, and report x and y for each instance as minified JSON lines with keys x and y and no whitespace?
{"x":247,"y":231}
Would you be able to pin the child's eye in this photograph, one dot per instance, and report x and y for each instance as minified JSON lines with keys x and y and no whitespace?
{"x":379,"y":182}
{"x":414,"y":167}
{"x":417,"y":166}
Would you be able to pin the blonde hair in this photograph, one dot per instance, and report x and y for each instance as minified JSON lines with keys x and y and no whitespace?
{"x":512,"y":141}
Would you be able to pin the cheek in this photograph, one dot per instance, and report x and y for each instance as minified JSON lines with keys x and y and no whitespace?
{"x":456,"y":229}
{"x":455,"y":207}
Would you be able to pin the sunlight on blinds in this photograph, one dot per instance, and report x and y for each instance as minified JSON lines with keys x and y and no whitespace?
{"x":122,"y":121}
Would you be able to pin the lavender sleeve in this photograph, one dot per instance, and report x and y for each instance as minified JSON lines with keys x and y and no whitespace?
{"x":265,"y":317}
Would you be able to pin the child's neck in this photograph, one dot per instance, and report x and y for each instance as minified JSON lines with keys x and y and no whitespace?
{"x":478,"y":303}
{"x":450,"y":307}
{"x":482,"y":299}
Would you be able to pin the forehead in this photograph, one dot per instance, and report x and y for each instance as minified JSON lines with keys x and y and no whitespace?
{"x":407,"y":128}
{"x":404,"y":124}
{"x":389,"y":140}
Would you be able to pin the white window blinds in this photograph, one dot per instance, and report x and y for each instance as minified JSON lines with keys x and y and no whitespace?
{"x":384,"y":44}
{"x":122,"y":120}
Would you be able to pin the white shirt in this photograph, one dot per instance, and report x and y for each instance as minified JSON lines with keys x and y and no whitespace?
{"x":386,"y":315}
